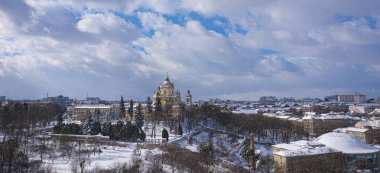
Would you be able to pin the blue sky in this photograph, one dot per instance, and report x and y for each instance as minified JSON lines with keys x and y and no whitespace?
{"x":239,"y":49}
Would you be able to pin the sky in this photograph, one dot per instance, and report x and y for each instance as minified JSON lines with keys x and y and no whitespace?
{"x":230,"y":49}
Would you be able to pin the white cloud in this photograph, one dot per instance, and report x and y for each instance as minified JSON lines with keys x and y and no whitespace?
{"x":100,"y":47}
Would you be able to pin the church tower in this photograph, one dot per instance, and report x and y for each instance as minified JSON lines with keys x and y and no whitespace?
{"x":189,"y":99}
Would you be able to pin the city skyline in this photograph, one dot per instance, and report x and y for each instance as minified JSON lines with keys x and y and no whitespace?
{"x":237,"y":50}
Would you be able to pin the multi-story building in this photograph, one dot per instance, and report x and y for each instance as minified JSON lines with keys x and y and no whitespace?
{"x":2,"y":98}
{"x":59,"y":100}
{"x":306,"y":156}
{"x":348,"y":98}
{"x":107,"y":112}
{"x":367,"y":131}
{"x":331,"y":152}
{"x":323,"y":123}
{"x":357,"y":154}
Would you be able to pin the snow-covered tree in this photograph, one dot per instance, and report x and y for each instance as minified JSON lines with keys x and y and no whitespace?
{"x":148,"y":105}
{"x":88,"y":126}
{"x":139,"y":117}
{"x":122,"y":108}
{"x":130,"y":109}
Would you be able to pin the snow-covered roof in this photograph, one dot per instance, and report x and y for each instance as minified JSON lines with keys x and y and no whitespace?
{"x":293,"y":119}
{"x":354,"y":129}
{"x":296,"y":145}
{"x":93,"y":106}
{"x":301,"y":148}
{"x":329,"y":117}
{"x":306,"y":151}
{"x":346,"y":143}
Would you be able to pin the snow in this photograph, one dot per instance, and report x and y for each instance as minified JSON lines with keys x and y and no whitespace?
{"x":301,"y":148}
{"x":296,"y":145}
{"x":346,"y":143}
{"x":353,"y":129}
{"x":245,"y":111}
{"x":306,"y":151}
{"x":109,"y":157}
{"x":99,"y":106}
{"x":329,"y":117}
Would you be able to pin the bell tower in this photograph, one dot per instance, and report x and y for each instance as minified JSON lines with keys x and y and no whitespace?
{"x":189,"y":99}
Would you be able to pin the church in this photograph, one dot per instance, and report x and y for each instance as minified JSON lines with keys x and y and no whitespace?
{"x":169,"y":96}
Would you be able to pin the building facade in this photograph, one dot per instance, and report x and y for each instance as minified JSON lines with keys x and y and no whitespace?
{"x":305,"y":156}
{"x":167,"y":94}
{"x":320,"y":124}
{"x":169,"y":97}
{"x":107,"y":112}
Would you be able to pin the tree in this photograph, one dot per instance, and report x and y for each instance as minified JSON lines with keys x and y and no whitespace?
{"x":165,"y":134}
{"x":130,"y":109}
{"x":97,"y":128}
{"x":142,"y":135}
{"x":148,"y":105}
{"x":88,"y":126}
{"x":106,"y":129}
{"x":208,"y":152}
{"x":139,"y":117}
{"x":122,"y":108}
{"x":59,"y":127}
{"x":98,"y":114}
{"x":156,"y":113}
{"x":180,"y":132}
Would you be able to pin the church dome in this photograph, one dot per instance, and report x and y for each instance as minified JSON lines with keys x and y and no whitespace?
{"x":166,"y":82}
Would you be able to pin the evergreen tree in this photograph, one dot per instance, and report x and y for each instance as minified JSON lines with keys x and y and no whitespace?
{"x":180,"y":132}
{"x":88,"y":126}
{"x":207,"y":150}
{"x":247,"y":153}
{"x":97,"y":128}
{"x":165,"y":134}
{"x":139,"y":117}
{"x":148,"y":105}
{"x":158,"y":106}
{"x":122,"y":108}
{"x":98,"y":114}
{"x":106,"y":129}
{"x":59,"y":127}
{"x":142,"y":135}
{"x":130,"y":109}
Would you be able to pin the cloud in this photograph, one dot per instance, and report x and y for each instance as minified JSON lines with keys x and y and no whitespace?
{"x":238,"y":49}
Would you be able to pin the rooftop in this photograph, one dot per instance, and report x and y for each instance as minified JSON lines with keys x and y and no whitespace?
{"x":346,"y":143}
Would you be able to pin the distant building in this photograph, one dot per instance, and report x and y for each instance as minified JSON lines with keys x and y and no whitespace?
{"x":323,"y":123}
{"x":59,"y":100}
{"x":347,"y":98}
{"x":2,"y":98}
{"x":166,"y":94}
{"x":93,"y":100}
{"x":306,"y":156}
{"x":108,"y":112}
{"x":311,"y":100}
{"x":287,"y":99}
{"x":170,"y":98}
{"x":268,"y":100}
{"x":189,"y":99}
{"x":361,"y":109}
